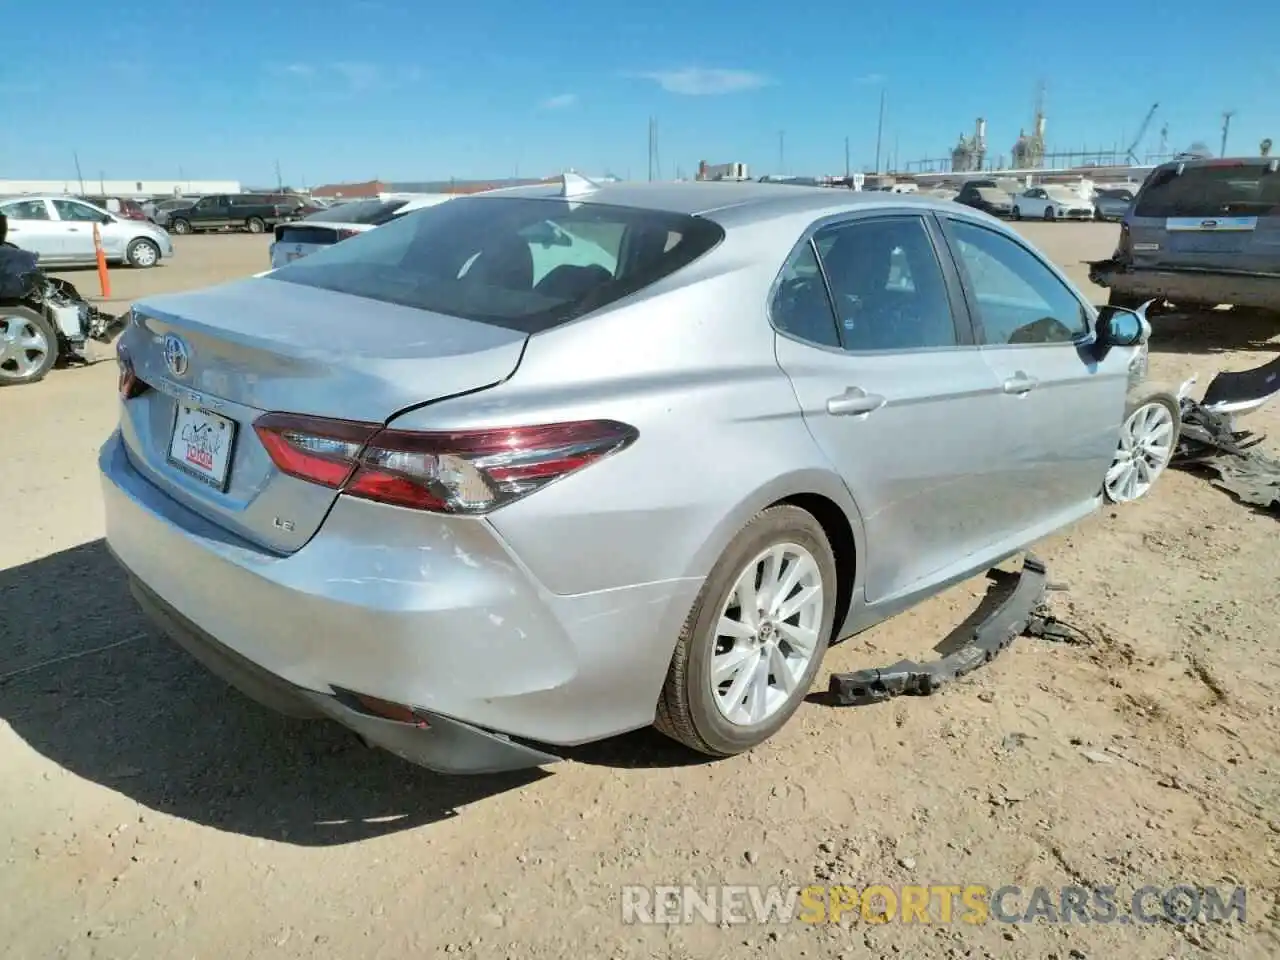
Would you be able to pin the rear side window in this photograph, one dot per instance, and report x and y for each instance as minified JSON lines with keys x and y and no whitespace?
{"x":517,"y":262}
{"x":376,"y":212}
{"x":26,"y":210}
{"x":886,"y":284}
{"x":1210,"y":191}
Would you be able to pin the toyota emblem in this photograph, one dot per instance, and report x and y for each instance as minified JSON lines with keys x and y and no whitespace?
{"x":175,"y":355}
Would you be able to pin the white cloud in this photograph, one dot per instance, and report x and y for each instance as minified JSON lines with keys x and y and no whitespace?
{"x":359,"y":76}
{"x":355,"y":76}
{"x":559,"y":102}
{"x":703,"y":82}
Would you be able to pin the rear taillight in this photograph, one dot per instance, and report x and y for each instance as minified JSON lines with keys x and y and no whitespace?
{"x":348,"y":234}
{"x":129,"y":384}
{"x":465,"y":471}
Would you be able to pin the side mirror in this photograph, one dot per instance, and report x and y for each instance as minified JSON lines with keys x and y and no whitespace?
{"x":1121,"y":327}
{"x":107,"y":218}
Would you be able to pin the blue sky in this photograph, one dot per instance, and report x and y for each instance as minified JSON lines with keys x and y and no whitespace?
{"x":358,"y":89}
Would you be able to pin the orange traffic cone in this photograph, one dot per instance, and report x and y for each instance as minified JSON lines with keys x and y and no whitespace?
{"x":104,"y":279}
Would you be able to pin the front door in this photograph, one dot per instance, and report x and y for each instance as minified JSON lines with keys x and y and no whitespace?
{"x":1063,"y":408}
{"x":78,"y":220}
{"x":32,"y":228}
{"x":894,"y":392}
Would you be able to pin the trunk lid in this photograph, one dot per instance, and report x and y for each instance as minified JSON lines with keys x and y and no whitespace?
{"x":262,"y":345}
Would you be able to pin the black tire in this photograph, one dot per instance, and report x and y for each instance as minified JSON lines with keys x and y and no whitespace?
{"x":1142,"y":396}
{"x":180,"y":226}
{"x":1017,"y":214}
{"x":142,"y":254}
{"x":1049,"y":214}
{"x":255,"y":225}
{"x":687,"y":711}
{"x":9,"y":375}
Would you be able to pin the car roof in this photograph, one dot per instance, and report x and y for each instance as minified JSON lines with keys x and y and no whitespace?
{"x":739,"y":203}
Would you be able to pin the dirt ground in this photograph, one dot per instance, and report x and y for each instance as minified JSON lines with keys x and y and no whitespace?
{"x":148,"y":811}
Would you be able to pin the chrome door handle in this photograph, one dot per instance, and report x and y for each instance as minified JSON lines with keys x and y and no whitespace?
{"x":73,"y":229}
{"x":855,"y":400}
{"x":1020,"y":383}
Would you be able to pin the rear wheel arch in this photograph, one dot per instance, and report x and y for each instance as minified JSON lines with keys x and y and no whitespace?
{"x":844,"y":545}
{"x":825,"y":497}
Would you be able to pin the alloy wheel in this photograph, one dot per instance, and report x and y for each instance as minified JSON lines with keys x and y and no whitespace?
{"x":767,"y":634}
{"x":24,"y":347}
{"x":1146,"y":446}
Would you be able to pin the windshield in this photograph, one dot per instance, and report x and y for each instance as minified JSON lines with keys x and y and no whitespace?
{"x":1210,"y":191}
{"x":527,"y":264}
{"x":374,"y":212}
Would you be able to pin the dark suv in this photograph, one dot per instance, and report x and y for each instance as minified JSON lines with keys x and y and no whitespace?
{"x":1200,"y":233}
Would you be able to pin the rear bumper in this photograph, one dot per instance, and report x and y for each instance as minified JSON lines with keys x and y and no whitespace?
{"x":426,"y":611}
{"x":1191,"y":287}
{"x":438,"y":743}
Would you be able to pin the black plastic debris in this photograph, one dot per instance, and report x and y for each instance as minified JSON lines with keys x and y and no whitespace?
{"x":1022,"y":612}
{"x":1210,"y":443}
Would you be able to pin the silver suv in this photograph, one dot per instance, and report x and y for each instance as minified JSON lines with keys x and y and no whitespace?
{"x":1200,"y":233}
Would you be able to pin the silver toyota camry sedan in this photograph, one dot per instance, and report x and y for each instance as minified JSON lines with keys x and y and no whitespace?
{"x":531,"y":469}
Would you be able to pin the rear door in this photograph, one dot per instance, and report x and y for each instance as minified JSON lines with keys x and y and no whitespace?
{"x":1060,"y":408}
{"x":894,"y":391}
{"x":78,"y":220}
{"x":33,"y":228}
{"x":1219,"y":214}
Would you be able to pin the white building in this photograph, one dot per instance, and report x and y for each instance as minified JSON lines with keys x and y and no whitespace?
{"x":121,"y":188}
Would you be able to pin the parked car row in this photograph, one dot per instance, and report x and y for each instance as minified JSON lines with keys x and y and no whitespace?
{"x":1049,"y":202}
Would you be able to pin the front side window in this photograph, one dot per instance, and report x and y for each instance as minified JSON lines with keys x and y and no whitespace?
{"x":1017,"y":299}
{"x":26,"y":210}
{"x":519,"y":262}
{"x":887,"y":285}
{"x":78,"y":212}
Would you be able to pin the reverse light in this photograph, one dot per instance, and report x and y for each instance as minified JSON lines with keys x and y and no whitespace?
{"x":461,"y":472}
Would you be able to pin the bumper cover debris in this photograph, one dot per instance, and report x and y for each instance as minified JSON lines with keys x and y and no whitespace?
{"x":1022,"y":612}
{"x":1211,"y":443}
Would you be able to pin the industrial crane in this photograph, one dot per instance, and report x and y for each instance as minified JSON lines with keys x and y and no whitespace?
{"x":1142,"y":132}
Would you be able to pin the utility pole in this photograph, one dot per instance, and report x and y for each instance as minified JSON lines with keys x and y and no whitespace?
{"x":880,"y":129}
{"x":651,"y":149}
{"x":846,"y":158}
{"x":279,"y":178}
{"x":79,"y":175}
{"x":1226,"y":129}
{"x":782,"y":151}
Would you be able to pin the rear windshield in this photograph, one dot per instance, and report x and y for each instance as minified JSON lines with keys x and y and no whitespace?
{"x":1241,"y":190}
{"x":376,"y":212}
{"x":522,"y":263}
